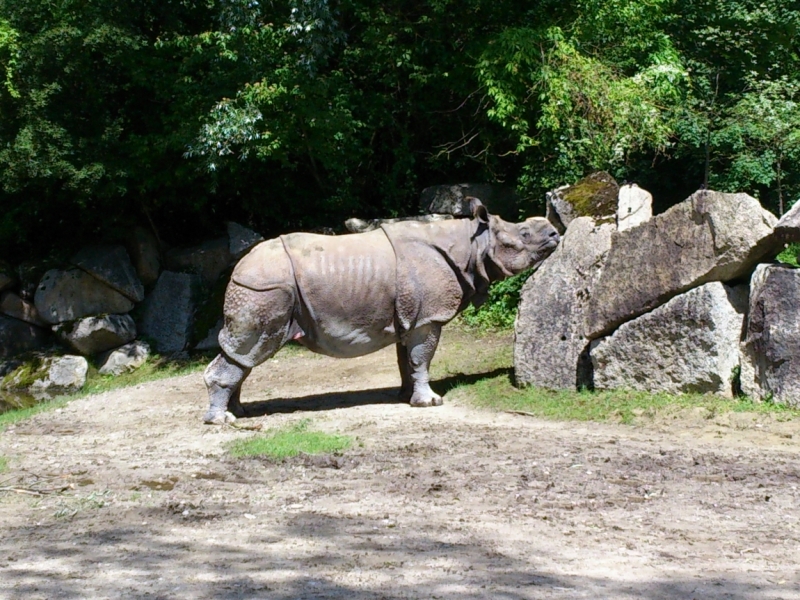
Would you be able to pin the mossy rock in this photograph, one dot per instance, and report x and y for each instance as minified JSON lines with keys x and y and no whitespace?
{"x":24,"y":374}
{"x":47,"y":374}
{"x":593,"y":196}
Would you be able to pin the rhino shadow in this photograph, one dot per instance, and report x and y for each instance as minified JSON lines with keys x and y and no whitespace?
{"x":350,"y":399}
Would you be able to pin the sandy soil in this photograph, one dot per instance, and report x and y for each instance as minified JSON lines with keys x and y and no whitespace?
{"x":140,"y":500}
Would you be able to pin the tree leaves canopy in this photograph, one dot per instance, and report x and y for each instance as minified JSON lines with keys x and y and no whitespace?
{"x":298,"y":113}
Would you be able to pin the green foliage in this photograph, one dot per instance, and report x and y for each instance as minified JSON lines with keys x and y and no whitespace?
{"x":788,"y":255}
{"x":578,"y":111}
{"x":9,"y":55}
{"x":761,"y":133}
{"x":290,"y":441}
{"x":500,"y":309}
{"x":295,"y":114}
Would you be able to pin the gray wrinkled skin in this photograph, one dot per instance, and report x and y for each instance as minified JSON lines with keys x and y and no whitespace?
{"x":350,"y":295}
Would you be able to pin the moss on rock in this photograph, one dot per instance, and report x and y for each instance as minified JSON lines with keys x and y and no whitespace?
{"x":22,"y":377}
{"x":593,"y":196}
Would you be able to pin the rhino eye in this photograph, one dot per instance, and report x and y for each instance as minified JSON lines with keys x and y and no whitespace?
{"x":525,"y":235}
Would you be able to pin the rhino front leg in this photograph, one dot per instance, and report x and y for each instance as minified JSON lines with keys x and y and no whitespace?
{"x":420,"y":347}
{"x":224,"y":378}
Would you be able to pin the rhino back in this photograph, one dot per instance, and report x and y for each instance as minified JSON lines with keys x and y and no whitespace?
{"x":347,"y":289}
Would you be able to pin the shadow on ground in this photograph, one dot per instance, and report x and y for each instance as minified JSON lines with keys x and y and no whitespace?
{"x":187,"y":561}
{"x":350,"y":399}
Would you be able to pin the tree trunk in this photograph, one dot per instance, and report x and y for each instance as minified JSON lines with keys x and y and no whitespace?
{"x":780,"y":190}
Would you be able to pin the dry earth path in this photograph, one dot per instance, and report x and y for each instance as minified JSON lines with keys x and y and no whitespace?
{"x":450,"y":502}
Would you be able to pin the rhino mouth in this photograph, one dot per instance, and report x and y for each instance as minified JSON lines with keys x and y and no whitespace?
{"x":544,"y":250}
{"x":548,"y":246}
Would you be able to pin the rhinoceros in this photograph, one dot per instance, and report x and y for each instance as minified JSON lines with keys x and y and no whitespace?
{"x":350,"y":295}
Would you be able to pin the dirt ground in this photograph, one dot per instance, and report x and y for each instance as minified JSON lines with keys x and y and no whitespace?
{"x":140,"y":500}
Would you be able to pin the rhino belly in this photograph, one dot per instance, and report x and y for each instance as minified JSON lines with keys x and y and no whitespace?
{"x":347,"y":289}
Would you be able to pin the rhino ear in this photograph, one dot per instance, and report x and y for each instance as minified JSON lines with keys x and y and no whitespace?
{"x":478,"y":210}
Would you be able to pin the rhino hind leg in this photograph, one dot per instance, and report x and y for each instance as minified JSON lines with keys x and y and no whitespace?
{"x":257,"y":325}
{"x":407,"y":384}
{"x":223,"y":378}
{"x":420,"y":346}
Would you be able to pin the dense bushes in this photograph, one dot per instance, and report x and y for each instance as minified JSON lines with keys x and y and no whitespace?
{"x":298,"y":113}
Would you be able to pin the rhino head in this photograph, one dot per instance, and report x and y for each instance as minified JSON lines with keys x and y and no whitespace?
{"x":513,"y":247}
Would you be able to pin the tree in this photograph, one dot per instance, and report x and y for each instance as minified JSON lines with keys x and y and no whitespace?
{"x":761,"y":133}
{"x":577,"y":112}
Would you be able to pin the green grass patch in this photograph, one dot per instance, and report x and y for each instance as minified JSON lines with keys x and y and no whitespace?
{"x":497,"y":393}
{"x":3,"y":464}
{"x":154,"y":369}
{"x":290,"y":441}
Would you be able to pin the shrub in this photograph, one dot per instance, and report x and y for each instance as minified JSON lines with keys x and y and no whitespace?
{"x":500,"y":308}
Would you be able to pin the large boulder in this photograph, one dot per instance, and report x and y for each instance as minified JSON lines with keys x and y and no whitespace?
{"x":788,"y":228}
{"x":96,"y":334}
{"x":452,"y":200}
{"x":711,"y":236}
{"x":634,"y":207}
{"x":771,"y":347}
{"x":74,"y":294}
{"x":241,"y":239}
{"x":208,"y":260}
{"x":593,"y":196}
{"x":124,"y":359}
{"x":143,"y":250}
{"x":550,"y":348}
{"x":18,"y":336}
{"x":689,"y":344}
{"x":112,"y":266}
{"x":168,"y":312}
{"x":12,"y":305}
{"x":46,"y":377}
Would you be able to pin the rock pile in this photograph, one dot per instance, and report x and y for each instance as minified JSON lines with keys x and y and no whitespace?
{"x":112,"y":303}
{"x":664,"y":303}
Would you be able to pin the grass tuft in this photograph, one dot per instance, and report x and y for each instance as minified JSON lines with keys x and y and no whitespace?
{"x":290,"y":441}
{"x":624,"y":406}
{"x":3,"y":464}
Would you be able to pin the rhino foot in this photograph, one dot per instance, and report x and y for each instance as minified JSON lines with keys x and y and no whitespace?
{"x":423,"y":400}
{"x":214,"y":417}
